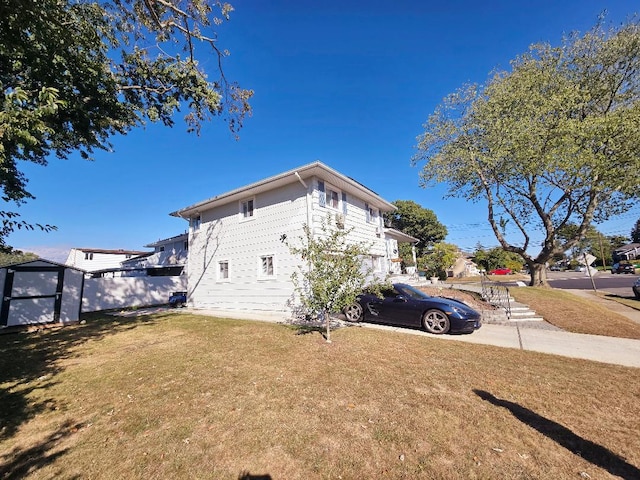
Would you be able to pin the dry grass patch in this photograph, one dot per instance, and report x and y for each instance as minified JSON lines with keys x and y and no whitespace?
{"x":575,"y":314}
{"x":184,"y":396}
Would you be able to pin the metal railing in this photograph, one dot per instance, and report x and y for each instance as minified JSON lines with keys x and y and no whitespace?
{"x":496,"y":294}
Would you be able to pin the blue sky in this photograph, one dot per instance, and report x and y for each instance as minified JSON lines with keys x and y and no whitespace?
{"x":349,"y":83}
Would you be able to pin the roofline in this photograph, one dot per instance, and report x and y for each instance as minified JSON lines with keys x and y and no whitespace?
{"x":40,"y":259}
{"x":316,"y":168}
{"x":167,"y":240}
{"x":401,"y":235}
{"x":103,"y":250}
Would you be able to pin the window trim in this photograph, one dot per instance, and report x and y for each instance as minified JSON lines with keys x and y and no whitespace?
{"x":219,"y":277}
{"x":241,"y":212}
{"x":261,"y":274}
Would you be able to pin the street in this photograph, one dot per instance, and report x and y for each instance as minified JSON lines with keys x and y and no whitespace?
{"x":618,"y":284}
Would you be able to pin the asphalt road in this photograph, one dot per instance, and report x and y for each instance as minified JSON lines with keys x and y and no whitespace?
{"x":618,"y":284}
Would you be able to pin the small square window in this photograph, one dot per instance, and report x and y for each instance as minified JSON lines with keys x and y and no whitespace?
{"x":246,"y":208}
{"x":88,"y":256}
{"x":195,"y":223}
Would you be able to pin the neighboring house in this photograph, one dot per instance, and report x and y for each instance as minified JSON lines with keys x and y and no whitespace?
{"x":238,"y":254}
{"x":169,"y":257}
{"x":94,"y":259}
{"x":631,"y":251}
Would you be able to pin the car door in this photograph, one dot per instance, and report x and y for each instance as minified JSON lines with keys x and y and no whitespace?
{"x":397,"y":309}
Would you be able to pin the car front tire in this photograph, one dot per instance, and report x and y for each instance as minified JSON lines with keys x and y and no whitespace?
{"x":353,"y":312}
{"x":436,"y":321}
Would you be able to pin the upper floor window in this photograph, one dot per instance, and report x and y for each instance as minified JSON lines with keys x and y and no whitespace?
{"x":332,"y":199}
{"x":372,"y":214}
{"x":88,"y":256}
{"x":186,"y":245}
{"x":195,"y":222}
{"x":247,"y":208}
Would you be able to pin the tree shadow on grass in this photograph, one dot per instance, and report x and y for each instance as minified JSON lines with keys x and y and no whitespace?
{"x":19,"y":462}
{"x":592,"y":452}
{"x":31,"y":360}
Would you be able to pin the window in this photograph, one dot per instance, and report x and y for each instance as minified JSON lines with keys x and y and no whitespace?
{"x":88,"y":256}
{"x":372,"y":213}
{"x":186,"y":245}
{"x":267,"y":268}
{"x":195,"y":223}
{"x":162,"y":248}
{"x":246,"y":208}
{"x":223,"y":270}
{"x":332,"y":199}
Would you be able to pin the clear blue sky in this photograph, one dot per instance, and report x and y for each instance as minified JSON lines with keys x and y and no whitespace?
{"x":349,"y":83}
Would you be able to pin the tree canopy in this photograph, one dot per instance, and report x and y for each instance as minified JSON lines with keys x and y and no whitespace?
{"x":417,"y":221}
{"x":551,"y":142}
{"x":76,"y":72}
{"x":635,"y":232}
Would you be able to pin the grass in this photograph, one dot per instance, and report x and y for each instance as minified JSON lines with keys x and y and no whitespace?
{"x":576,"y":314}
{"x":185,"y":396}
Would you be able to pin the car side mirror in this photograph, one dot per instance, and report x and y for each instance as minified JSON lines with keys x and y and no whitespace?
{"x":400,"y":298}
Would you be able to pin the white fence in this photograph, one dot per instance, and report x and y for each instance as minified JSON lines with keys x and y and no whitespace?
{"x":122,"y":292}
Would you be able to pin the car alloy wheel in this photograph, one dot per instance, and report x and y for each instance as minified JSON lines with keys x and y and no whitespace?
{"x":353,"y":312}
{"x":436,"y":321}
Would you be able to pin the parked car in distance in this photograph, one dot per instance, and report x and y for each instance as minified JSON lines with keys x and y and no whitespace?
{"x":623,"y":267}
{"x":636,"y":288}
{"x":501,"y":271}
{"x":178,"y":299}
{"x":407,"y":306}
{"x":556,"y":268}
{"x":580,"y":268}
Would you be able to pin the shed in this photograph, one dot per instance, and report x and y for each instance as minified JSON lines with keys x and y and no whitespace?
{"x":39,"y":292}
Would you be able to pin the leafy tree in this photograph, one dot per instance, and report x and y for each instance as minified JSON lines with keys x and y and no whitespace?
{"x":496,"y":257}
{"x":439,"y":260}
{"x":417,"y":221}
{"x":76,"y":72}
{"x":592,"y":242}
{"x":548,"y":143}
{"x":11,"y":256}
{"x":333,"y":273}
{"x":635,"y":232}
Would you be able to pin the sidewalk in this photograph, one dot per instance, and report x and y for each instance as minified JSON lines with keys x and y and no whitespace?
{"x":619,"y":351}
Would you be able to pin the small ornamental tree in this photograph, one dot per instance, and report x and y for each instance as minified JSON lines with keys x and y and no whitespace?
{"x":333,"y":272}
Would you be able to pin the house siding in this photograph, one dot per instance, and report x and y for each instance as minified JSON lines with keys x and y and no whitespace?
{"x":223,"y":236}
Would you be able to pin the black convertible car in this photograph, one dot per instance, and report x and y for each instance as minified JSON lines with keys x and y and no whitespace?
{"x":407,"y":306}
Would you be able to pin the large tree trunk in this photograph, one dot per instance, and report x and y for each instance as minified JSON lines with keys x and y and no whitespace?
{"x":538,"y":272}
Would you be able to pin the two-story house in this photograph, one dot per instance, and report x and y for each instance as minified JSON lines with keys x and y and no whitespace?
{"x":95,"y":259}
{"x":238,"y":254}
{"x":169,"y":257}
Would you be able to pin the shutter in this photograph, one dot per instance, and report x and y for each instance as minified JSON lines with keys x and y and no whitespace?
{"x":322,"y":198}
{"x":366,"y":209}
{"x":344,"y":203}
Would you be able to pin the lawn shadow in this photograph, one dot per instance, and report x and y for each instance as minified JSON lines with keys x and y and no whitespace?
{"x":592,"y":452}
{"x":32,"y":360}
{"x":18,"y":463}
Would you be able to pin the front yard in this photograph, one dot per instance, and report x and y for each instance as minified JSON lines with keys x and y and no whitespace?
{"x":185,"y":396}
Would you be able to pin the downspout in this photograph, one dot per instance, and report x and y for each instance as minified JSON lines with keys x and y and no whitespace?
{"x":308,"y":199}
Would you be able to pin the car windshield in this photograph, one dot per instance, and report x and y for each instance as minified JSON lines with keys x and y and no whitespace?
{"x":411,"y":292}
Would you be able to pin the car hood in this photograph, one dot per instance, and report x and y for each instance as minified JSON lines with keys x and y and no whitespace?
{"x":452,"y":302}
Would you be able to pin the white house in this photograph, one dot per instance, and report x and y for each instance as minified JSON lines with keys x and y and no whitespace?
{"x":238,"y":257}
{"x":169,"y":256}
{"x":94,"y":259}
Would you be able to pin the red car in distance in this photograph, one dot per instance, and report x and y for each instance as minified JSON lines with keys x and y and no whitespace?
{"x":501,"y":271}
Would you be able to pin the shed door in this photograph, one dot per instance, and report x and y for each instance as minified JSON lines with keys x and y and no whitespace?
{"x":32,"y":295}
